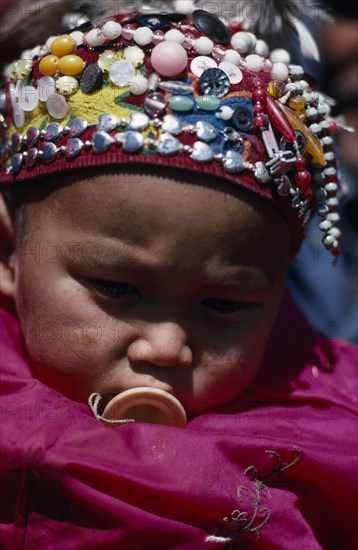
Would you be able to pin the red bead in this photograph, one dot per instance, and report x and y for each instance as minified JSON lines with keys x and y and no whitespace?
{"x":332,"y":127}
{"x":300,"y":163}
{"x":258,"y":94}
{"x":258,"y":108}
{"x":257,"y":83}
{"x":259,"y":121}
{"x":303,"y":180}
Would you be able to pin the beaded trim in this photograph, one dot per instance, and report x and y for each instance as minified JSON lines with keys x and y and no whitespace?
{"x":284,"y":113}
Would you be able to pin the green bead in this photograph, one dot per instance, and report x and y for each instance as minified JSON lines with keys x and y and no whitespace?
{"x":181,"y":103}
{"x":208,"y":102}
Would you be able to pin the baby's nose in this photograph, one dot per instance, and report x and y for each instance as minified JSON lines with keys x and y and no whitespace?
{"x":164,"y":345}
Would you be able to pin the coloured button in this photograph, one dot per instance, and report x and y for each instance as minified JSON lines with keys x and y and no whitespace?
{"x":57,"y":106}
{"x":154,"y":22}
{"x":211,"y":25}
{"x":49,"y":65}
{"x":243,"y":119}
{"x":71,"y":65}
{"x":214,"y":82}
{"x":63,"y":45}
{"x":67,"y":85}
{"x":106,"y":59}
{"x":91,"y":79}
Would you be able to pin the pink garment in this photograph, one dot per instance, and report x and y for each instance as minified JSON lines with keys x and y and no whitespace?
{"x":68,"y":481}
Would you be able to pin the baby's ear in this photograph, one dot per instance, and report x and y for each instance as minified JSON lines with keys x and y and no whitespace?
{"x":7,"y":256}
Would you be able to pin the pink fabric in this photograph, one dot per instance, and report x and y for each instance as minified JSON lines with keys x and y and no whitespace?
{"x":67,"y":481}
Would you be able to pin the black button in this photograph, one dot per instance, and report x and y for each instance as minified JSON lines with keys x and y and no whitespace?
{"x":92,"y":79}
{"x":243,"y":118}
{"x":211,"y":25}
{"x":214,"y":82}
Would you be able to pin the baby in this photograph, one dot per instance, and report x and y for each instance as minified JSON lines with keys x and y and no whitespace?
{"x":158,"y":172}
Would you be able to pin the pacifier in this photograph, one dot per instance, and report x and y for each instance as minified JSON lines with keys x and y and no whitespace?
{"x":149,"y":405}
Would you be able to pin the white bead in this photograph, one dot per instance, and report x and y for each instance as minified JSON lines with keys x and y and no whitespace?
{"x":121,"y":72}
{"x":45,"y":87}
{"x":311,"y":112}
{"x":112,"y":30}
{"x":315,"y":128}
{"x":184,"y":6}
{"x":203,"y":45}
{"x":143,"y":36}
{"x":280,"y":56}
{"x":224,"y":113}
{"x":232,"y":56}
{"x":335,"y":232}
{"x":174,"y":36}
{"x":254,"y":62}
{"x":138,"y":85}
{"x":304,"y":84}
{"x":27,"y":54}
{"x":325,"y":225}
{"x":241,"y":42}
{"x":95,"y":37}
{"x":253,"y":39}
{"x":36,"y":52}
{"x":333,"y":217}
{"x":261,"y":48}
{"x":325,"y":124}
{"x":279,"y":71}
{"x":322,"y":109}
{"x":49,"y":42}
{"x":77,"y":37}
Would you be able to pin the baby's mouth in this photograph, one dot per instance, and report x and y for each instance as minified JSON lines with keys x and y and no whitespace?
{"x":143,"y":404}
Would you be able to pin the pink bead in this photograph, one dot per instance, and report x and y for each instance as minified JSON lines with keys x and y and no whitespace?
{"x":158,"y":36}
{"x":267,"y":66}
{"x":218,"y":53}
{"x":189,"y":41}
{"x":128,"y":31}
{"x":169,"y":58}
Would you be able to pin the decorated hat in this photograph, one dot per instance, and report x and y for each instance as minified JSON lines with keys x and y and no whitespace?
{"x":182,"y":90}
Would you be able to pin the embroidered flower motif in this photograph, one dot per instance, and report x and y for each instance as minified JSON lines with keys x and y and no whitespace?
{"x":239,"y":523}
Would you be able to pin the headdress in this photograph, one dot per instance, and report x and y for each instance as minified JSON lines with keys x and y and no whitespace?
{"x":186,"y":91}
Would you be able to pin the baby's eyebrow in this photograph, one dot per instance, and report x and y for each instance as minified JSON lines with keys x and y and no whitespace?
{"x":115,"y":258}
{"x":100,"y":255}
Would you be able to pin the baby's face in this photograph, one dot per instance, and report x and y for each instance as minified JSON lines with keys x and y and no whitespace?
{"x":141,"y":280}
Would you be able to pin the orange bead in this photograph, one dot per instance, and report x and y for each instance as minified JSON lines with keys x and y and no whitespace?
{"x":71,"y":65}
{"x":63,"y":45}
{"x":49,"y":65}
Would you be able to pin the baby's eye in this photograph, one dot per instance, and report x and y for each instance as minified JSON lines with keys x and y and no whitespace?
{"x":219,"y":305}
{"x":114,"y":290}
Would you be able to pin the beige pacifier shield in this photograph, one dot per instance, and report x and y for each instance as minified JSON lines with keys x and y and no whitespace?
{"x":148,"y":405}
